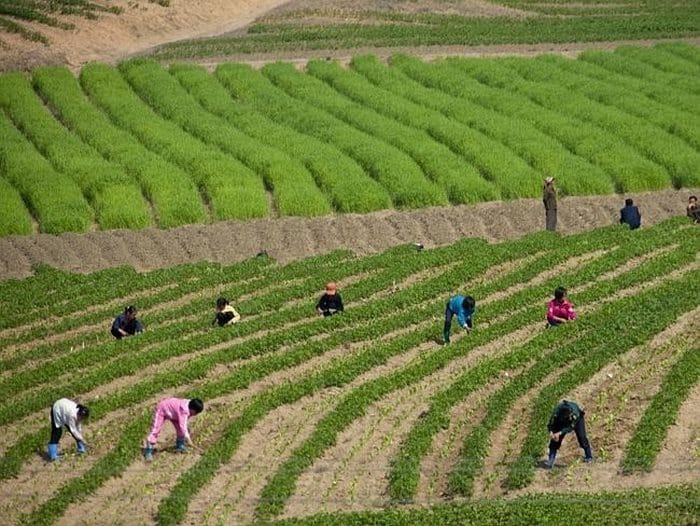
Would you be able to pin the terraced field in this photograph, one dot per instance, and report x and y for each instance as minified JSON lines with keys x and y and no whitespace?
{"x":142,"y":145}
{"x":309,"y":418}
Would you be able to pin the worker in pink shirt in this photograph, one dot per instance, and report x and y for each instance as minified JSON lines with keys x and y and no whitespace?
{"x":560,"y":310}
{"x":178,"y":411}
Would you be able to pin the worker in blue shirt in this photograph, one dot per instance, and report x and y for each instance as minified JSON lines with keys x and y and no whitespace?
{"x":463,"y":307}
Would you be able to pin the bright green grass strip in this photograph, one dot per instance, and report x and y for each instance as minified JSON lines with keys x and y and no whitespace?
{"x":294,"y":189}
{"x":349,"y":188}
{"x":14,"y":216}
{"x":668,"y":506}
{"x":648,"y":437}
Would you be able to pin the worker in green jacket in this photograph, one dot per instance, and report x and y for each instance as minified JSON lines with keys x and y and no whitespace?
{"x":567,"y":417}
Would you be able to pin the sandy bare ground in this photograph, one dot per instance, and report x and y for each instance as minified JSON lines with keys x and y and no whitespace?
{"x":289,"y":239}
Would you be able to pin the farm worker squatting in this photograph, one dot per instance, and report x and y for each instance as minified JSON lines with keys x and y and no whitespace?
{"x":630,"y":215}
{"x":225,"y":313}
{"x":178,"y":411}
{"x":126,"y":324}
{"x":65,"y":412}
{"x":463,"y":307}
{"x":567,"y":417}
{"x":330,"y":303}
{"x":560,"y":309}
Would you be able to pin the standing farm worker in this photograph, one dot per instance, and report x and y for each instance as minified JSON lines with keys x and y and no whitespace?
{"x":560,"y":309}
{"x":567,"y":417}
{"x":178,"y":411}
{"x":463,"y":307}
{"x":126,"y":323}
{"x":225,"y":313}
{"x":549,"y":198}
{"x":65,"y":412}
{"x":330,"y":303}
{"x":630,"y":215}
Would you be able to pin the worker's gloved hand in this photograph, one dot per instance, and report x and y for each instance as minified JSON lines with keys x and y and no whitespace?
{"x":81,"y":448}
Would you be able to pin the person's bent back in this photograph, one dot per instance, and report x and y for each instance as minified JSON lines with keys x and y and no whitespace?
{"x":630,"y":215}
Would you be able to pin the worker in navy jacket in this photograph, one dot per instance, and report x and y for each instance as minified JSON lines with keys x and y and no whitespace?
{"x":630,"y":215}
{"x":567,"y":417}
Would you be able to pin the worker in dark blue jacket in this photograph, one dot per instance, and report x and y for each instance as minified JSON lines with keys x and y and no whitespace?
{"x":567,"y":417}
{"x":463,"y":307}
{"x":630,"y":215}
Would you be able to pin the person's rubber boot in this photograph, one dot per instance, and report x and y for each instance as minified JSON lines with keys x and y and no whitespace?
{"x":446,"y":337}
{"x":180,"y":446}
{"x":551,"y":458}
{"x":589,"y":455}
{"x":148,"y":452}
{"x":53,"y":452}
{"x":81,"y":448}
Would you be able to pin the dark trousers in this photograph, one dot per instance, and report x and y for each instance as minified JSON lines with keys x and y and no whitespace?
{"x":580,"y":430}
{"x":448,"y":321}
{"x":57,"y":432}
{"x":131,"y":328}
{"x":551,"y":219}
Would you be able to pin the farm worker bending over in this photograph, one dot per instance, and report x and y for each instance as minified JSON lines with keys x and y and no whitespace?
{"x":331,"y":302}
{"x":178,"y":411}
{"x":560,"y":309}
{"x":549,"y":198}
{"x":567,"y":417}
{"x":463,"y":307}
{"x":630,"y":215}
{"x":225,"y":313}
{"x":67,"y":413}
{"x":126,"y":324}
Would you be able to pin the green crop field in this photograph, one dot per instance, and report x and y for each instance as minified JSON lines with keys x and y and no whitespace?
{"x":142,"y":144}
{"x":307,"y":415}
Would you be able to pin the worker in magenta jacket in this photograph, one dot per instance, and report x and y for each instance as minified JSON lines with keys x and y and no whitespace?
{"x":178,"y":411}
{"x":560,"y":310}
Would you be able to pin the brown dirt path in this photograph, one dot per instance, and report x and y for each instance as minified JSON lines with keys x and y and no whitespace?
{"x":229,"y":242}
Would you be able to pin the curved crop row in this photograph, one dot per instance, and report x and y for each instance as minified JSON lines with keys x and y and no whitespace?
{"x":292,"y":186}
{"x":114,"y":195}
{"x":460,"y":180}
{"x":233,"y":191}
{"x":541,"y":151}
{"x":394,"y":170}
{"x":175,"y":198}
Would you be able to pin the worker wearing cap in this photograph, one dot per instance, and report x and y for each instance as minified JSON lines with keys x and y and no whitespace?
{"x":549,"y":198}
{"x":331,"y":302}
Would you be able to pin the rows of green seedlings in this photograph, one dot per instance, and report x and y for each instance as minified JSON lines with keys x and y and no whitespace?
{"x":405,"y":473}
{"x":191,"y":374}
{"x":644,"y":78}
{"x":280,"y":488}
{"x":598,"y":84}
{"x":628,"y":169}
{"x":661,"y":506}
{"x":680,"y":160}
{"x":648,"y":437}
{"x":353,"y":408}
{"x":130,"y":362}
{"x":348,"y":186}
{"x":193,"y":370}
{"x":114,"y":196}
{"x":13,"y":13}
{"x":171,"y":192}
{"x":232,"y":190}
{"x":292,"y":185}
{"x":53,"y":199}
{"x":675,"y":70}
{"x":577,"y":23}
{"x":390,"y":92}
{"x":461,"y":180}
{"x":393,"y":169}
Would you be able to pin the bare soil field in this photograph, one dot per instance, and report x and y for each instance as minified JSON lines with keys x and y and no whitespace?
{"x":288,"y":239}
